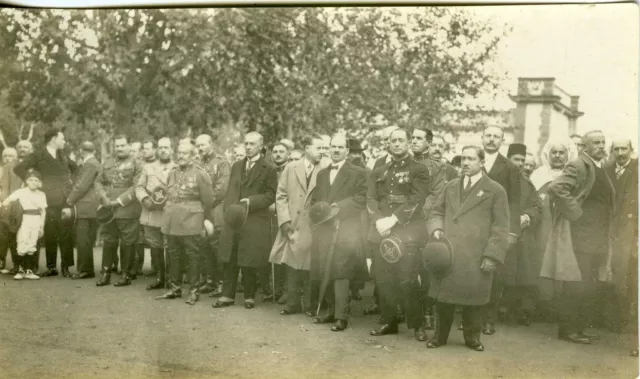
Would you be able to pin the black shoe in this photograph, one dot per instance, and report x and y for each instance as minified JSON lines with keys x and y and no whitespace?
{"x":172,"y":294}
{"x":434,"y":343}
{"x":249,"y":304}
{"x":489,"y":329}
{"x":339,"y":326}
{"x":288,"y":311}
{"x":222,"y":304}
{"x":157,"y":285}
{"x":575,"y":338}
{"x":324,"y":320}
{"x":592,"y":336}
{"x":474,"y":345}
{"x":385,"y":329}
{"x":83,"y":275}
{"x":208,"y":287}
{"x":105,"y":279}
{"x":372,"y":310}
{"x":310,"y":313}
{"x":124,"y":281}
{"x":65,"y":272}
{"x":420,"y":334}
{"x":48,"y":272}
{"x":429,"y":322}
{"x":193,"y":298}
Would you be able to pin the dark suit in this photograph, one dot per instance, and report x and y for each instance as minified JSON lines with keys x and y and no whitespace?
{"x":250,"y":246}
{"x":508,"y":176}
{"x":349,"y":193}
{"x":84,"y":199}
{"x":624,"y":264}
{"x":9,"y":182}
{"x":584,"y":195}
{"x":475,"y":221}
{"x":56,"y":184}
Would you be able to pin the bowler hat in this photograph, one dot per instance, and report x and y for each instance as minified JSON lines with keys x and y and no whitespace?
{"x":236,"y":215}
{"x":322,"y":212}
{"x":438,"y":256}
{"x":104,"y":215}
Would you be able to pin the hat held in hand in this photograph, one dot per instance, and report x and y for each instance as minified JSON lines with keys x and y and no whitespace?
{"x":322,"y":212}
{"x":104,"y":215}
{"x":236,"y":215}
{"x":438,"y":256}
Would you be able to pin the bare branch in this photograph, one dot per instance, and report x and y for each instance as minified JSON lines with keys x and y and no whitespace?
{"x":4,"y":144}
{"x":30,"y":135}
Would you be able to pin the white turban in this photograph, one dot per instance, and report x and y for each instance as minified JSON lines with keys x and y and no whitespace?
{"x":544,"y":174}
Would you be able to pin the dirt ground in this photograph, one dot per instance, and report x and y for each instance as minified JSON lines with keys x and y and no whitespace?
{"x":58,"y":327}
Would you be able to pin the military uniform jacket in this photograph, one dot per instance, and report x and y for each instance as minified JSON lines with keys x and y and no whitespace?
{"x":437,"y":180}
{"x":399,"y":188}
{"x":154,"y":174}
{"x":219,"y":170}
{"x":118,"y":180}
{"x":190,"y":199}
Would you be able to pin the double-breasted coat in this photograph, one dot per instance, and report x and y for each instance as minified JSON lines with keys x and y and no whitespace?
{"x":293,"y":201}
{"x":259,"y":186}
{"x":349,"y":193}
{"x":154,"y":174}
{"x":625,"y":225}
{"x":508,"y":176}
{"x":477,"y":228}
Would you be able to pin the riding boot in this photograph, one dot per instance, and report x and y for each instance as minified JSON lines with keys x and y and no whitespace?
{"x":158,"y":256}
{"x":127,"y":258}
{"x":139,"y":260}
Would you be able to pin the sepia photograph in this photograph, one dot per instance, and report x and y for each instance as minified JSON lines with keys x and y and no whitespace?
{"x":309,"y":191}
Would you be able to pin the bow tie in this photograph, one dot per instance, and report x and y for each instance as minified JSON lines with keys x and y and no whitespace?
{"x":334,"y":167}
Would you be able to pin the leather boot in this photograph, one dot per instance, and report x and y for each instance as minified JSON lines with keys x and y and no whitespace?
{"x":127,"y":258}
{"x":139,"y":259}
{"x":158,"y":257}
{"x":105,"y":277}
{"x":429,"y":322}
{"x":174,"y":292}
{"x":193,"y":296}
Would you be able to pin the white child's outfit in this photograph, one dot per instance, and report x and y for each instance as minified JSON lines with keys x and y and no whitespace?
{"x":34,"y":204}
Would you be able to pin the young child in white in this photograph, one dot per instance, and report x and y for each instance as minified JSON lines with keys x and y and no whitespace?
{"x":34,"y":205}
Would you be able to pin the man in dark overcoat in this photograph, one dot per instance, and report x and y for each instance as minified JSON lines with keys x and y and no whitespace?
{"x":521,"y":271}
{"x":254,"y":181}
{"x":345,"y":185}
{"x":623,"y":172}
{"x":84,"y":199}
{"x":56,"y":169}
{"x":584,"y":201}
{"x":396,"y":193}
{"x":472,"y":212}
{"x":505,"y":173}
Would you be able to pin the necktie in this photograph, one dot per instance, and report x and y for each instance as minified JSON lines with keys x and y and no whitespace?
{"x":333,"y":167}
{"x":619,"y":171}
{"x":468,"y":185}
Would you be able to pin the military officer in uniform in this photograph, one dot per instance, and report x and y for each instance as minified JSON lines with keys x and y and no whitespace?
{"x":396,"y":194}
{"x":189,"y":203}
{"x":116,"y":189}
{"x":219,"y":170}
{"x":151,"y":191}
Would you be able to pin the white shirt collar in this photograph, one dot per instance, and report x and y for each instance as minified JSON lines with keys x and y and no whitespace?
{"x":474,"y":179}
{"x":621,"y":167}
{"x":597,"y":163}
{"x":254,"y":159}
{"x":339,"y":164}
{"x":53,"y":153}
{"x":490,"y":159}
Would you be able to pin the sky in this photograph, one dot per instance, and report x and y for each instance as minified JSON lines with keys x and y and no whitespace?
{"x":591,"y":50}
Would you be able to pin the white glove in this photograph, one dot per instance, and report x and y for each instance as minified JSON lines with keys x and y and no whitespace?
{"x":208,"y":226}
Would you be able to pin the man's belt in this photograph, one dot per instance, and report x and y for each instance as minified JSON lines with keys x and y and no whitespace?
{"x":184,"y":202}
{"x":33,"y":212}
{"x":396,"y":199}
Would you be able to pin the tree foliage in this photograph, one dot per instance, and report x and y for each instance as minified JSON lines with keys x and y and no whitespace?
{"x":281,"y":71}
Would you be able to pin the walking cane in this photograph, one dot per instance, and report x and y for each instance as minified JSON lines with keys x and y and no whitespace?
{"x":327,"y":269}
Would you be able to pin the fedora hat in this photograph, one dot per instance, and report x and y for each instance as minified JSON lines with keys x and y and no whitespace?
{"x":322,"y":212}
{"x":104,"y":215}
{"x":236,"y":215}
{"x":437,"y":256}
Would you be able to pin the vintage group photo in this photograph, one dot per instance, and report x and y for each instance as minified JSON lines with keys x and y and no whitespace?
{"x":319,"y":192}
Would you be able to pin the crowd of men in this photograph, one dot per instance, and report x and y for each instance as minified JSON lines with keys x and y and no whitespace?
{"x":494,"y":237}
